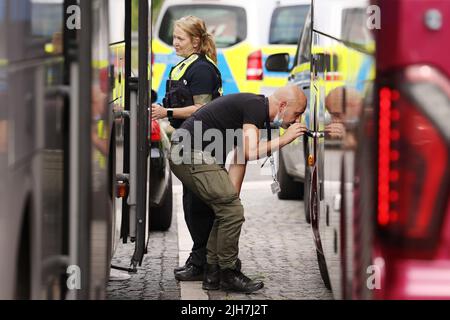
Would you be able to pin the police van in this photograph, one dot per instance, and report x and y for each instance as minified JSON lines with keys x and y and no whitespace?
{"x":246,"y":33}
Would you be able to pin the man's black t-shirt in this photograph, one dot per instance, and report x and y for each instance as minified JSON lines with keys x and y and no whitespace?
{"x":227,"y":113}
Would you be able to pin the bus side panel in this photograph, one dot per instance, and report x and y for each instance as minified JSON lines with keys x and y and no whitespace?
{"x":31,"y":155}
{"x":100,"y":138}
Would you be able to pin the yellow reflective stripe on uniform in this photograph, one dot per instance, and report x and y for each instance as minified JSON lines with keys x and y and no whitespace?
{"x":102,"y":134}
{"x":179,"y":70}
{"x":101,"y":159}
{"x":100,"y":128}
{"x":212,"y":61}
{"x":99,"y":64}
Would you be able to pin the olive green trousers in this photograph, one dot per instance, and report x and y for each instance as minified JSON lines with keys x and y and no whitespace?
{"x":211,"y":183}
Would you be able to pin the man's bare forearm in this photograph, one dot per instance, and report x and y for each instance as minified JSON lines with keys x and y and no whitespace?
{"x":266,"y":148}
{"x":237,"y":171}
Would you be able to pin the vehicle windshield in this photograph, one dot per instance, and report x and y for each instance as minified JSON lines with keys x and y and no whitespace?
{"x":227,"y":24}
{"x":354,"y":29}
{"x":286,"y":24}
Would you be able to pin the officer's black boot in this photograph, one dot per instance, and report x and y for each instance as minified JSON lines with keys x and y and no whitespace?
{"x":186,"y":264}
{"x":234,"y":280}
{"x":190,"y":273}
{"x":211,"y":278}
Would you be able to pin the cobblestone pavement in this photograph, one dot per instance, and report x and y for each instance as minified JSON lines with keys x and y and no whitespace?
{"x":154,"y":279}
{"x":276,"y":246}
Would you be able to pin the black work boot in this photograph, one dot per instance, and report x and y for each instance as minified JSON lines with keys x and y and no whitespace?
{"x":190,"y":273}
{"x":186,"y":264}
{"x":211,"y":278}
{"x":238,"y":264}
{"x":234,"y":280}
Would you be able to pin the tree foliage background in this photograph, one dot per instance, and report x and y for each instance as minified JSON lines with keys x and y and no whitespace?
{"x":156,"y":5}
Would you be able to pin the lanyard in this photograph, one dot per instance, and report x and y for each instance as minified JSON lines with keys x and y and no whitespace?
{"x":275,"y":186}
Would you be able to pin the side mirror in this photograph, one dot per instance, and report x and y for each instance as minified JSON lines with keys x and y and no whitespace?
{"x":278,"y":62}
{"x":154,"y":96}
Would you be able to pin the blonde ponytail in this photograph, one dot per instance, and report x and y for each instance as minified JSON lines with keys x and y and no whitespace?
{"x":208,"y":47}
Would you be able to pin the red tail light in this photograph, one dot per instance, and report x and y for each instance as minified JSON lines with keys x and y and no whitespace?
{"x":413,"y":162}
{"x":155,"y":132}
{"x":255,"y":66}
{"x":333,"y":76}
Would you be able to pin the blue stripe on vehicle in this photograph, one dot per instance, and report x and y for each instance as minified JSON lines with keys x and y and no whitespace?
{"x":364,"y":73}
{"x":228,"y":83}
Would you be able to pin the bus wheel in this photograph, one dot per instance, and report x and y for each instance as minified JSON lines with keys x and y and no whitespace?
{"x":307,"y":187}
{"x":323,"y":270}
{"x":23,"y":281}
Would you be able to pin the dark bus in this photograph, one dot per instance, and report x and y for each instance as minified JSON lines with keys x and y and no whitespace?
{"x":379,"y":195}
{"x":73,"y":171}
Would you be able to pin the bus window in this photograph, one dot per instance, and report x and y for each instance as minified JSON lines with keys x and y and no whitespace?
{"x":354,"y":29}
{"x":304,"y":50}
{"x":46,"y":17}
{"x":46,"y":25}
{"x":2,"y":33}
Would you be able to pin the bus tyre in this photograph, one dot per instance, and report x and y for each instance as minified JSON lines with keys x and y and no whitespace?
{"x":307,"y":188}
{"x":161,"y":217}
{"x":290,"y":189}
{"x":323,"y":269}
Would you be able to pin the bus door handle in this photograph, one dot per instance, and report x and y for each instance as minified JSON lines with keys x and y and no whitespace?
{"x":315,"y":134}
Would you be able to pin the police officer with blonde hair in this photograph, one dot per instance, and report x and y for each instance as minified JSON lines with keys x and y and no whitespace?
{"x":192,"y":83}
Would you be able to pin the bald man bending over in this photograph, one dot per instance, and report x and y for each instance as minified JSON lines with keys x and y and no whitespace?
{"x":198,"y":153}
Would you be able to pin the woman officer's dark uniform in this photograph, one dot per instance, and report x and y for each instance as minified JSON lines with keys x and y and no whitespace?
{"x":195,"y":75}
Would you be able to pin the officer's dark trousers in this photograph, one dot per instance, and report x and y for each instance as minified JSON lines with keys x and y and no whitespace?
{"x":199,"y":220}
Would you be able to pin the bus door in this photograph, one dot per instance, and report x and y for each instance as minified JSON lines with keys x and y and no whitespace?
{"x":140,"y":119}
{"x":129,"y":104}
{"x":87,"y":59}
